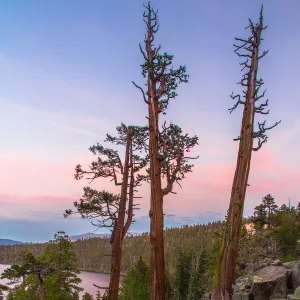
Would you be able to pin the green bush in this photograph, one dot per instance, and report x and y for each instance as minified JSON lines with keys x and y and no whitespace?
{"x":288,"y":258}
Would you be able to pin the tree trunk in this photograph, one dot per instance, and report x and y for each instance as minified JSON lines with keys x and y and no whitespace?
{"x":225,"y":275}
{"x":229,"y":251}
{"x":240,"y":181}
{"x":131,"y":195}
{"x":41,"y":290}
{"x":156,"y":205}
{"x":114,"y":282}
{"x":157,"y":249}
{"x":237,"y":198}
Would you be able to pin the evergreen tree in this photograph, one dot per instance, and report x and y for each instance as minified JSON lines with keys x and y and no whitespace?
{"x":198,"y":282}
{"x":93,"y":253}
{"x":284,"y":208}
{"x":298,"y":214}
{"x":50,"y":276}
{"x":270,"y":205}
{"x":183,"y":275}
{"x":287,"y":233}
{"x":168,"y":287}
{"x":136,"y":285}
{"x":260,"y":216}
{"x":114,"y":211}
{"x":62,"y":283}
{"x":167,"y":146}
{"x":87,"y":296}
{"x":33,"y":271}
{"x":10,"y":296}
{"x":98,"y":295}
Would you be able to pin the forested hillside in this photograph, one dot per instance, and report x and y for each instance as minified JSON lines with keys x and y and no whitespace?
{"x":93,"y":253}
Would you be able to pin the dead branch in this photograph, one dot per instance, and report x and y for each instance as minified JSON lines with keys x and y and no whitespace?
{"x":143,"y":92}
{"x":100,"y":287}
{"x":237,"y":103}
{"x":260,"y":134}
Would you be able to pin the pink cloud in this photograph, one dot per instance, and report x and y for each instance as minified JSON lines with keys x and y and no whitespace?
{"x":34,"y":207}
{"x":209,"y":186}
{"x":51,"y":185}
{"x":206,"y":188}
{"x":33,"y":176}
{"x":269,"y":175}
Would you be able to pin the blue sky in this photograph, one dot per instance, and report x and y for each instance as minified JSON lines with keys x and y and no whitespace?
{"x":65,"y":80}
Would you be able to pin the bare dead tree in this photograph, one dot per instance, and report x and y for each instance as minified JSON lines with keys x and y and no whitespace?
{"x":166,"y":146}
{"x":108,"y":210}
{"x":249,"y":49}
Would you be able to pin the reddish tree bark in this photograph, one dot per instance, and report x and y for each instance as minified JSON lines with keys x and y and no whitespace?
{"x":156,"y":206}
{"x":166,"y":147}
{"x":119,"y":232}
{"x":225,"y":275}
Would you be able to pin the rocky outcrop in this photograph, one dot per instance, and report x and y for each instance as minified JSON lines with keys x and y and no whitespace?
{"x":268,"y":280}
{"x":289,"y":265}
{"x":292,"y":297}
{"x":242,"y":288}
{"x":252,"y":268}
{"x":296,"y":275}
{"x":296,"y":295}
{"x":276,"y":281}
{"x":270,"y":283}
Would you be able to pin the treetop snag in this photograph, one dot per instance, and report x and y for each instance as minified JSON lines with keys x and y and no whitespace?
{"x":157,"y":67}
{"x":250,"y":49}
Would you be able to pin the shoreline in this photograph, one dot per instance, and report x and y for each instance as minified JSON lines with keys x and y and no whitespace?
{"x":80,"y":269}
{"x":104,"y":273}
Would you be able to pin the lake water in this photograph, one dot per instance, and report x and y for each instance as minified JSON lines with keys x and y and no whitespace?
{"x":88,"y":279}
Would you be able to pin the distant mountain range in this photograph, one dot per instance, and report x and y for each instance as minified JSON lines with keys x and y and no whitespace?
{"x":94,"y":235}
{"x":5,"y":242}
{"x":84,"y":236}
{"x":89,"y":235}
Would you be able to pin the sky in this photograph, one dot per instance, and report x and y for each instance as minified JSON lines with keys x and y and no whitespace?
{"x":65,"y":81}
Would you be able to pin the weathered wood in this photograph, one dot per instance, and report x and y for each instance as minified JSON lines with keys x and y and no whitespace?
{"x":225,"y":273}
{"x":117,"y":242}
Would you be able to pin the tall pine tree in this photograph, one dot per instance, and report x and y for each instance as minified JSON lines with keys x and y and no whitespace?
{"x":183,"y":275}
{"x":136,"y":285}
{"x":270,"y":205}
{"x":198,"y":282}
